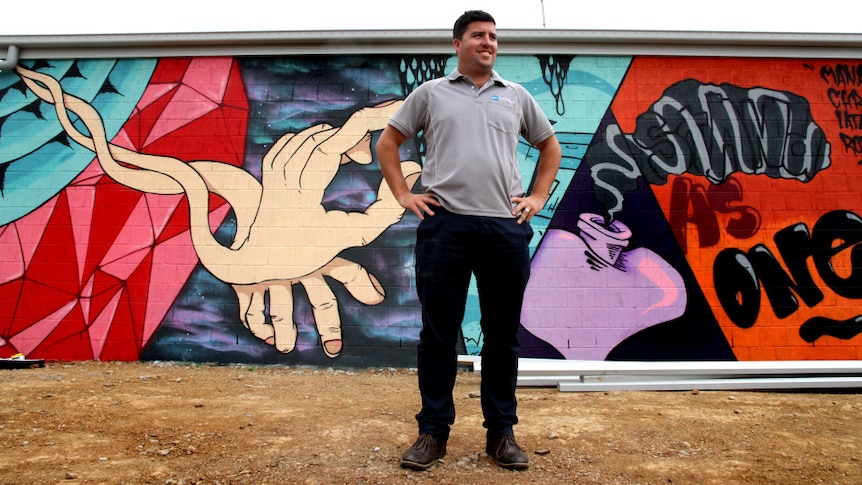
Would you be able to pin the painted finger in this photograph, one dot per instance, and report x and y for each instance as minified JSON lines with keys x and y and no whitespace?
{"x":288,"y":164}
{"x":324,"y":307}
{"x":356,"y":129}
{"x":324,"y":157}
{"x":281,"y":313}
{"x":361,"y":284}
{"x":350,"y":142}
{"x":252,"y":311}
{"x":372,"y":119}
{"x":275,"y":150}
{"x":361,"y":153}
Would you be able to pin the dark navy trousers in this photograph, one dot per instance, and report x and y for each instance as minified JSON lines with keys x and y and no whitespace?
{"x":449,"y":248}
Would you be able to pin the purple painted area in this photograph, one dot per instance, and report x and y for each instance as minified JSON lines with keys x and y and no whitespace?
{"x":584,"y":308}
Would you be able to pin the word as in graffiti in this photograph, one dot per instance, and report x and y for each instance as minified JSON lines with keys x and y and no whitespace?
{"x":699,"y":204}
{"x":738,"y":275}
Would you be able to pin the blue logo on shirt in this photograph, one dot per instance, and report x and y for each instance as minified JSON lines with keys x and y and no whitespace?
{"x":495,"y":98}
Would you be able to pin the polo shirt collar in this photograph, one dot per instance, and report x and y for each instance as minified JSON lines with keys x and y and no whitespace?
{"x":456,"y":75}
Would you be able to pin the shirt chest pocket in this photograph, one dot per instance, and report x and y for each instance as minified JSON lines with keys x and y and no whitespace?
{"x":503,"y":117}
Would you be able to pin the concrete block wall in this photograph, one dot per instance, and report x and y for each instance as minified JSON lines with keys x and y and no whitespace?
{"x":175,"y":208}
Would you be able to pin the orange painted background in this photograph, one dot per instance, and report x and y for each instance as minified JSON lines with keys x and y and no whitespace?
{"x":778,"y":203}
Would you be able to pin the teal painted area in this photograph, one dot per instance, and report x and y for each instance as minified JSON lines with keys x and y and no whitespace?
{"x":39,"y":158}
{"x":590,"y":85}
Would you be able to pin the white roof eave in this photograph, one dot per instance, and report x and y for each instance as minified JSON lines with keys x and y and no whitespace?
{"x":574,"y":42}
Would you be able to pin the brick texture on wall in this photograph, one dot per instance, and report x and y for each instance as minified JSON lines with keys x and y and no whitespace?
{"x":231,"y":209}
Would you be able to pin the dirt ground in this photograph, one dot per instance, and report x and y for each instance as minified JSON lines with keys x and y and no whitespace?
{"x":172,"y":423}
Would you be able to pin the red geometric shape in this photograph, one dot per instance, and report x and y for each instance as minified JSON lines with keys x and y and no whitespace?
{"x":92,"y":272}
{"x":69,"y":337}
{"x":100,"y":324}
{"x":37,"y":302}
{"x":121,"y":342}
{"x":54,"y":261}
{"x":10,"y":295}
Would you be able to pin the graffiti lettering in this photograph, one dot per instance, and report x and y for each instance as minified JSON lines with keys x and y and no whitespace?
{"x":849,"y":121}
{"x":685,"y":195}
{"x":738,"y":275}
{"x":843,"y":95}
{"x":817,"y":327}
{"x":695,"y":203}
{"x":848,"y":98}
{"x":852,"y":143}
{"x":842,"y":75}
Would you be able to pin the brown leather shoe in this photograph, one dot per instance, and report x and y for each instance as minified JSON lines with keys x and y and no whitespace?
{"x":507,"y":453}
{"x":424,"y":452}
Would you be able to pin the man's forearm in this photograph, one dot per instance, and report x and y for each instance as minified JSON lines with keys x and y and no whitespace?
{"x":390,"y":161}
{"x":550,"y":155}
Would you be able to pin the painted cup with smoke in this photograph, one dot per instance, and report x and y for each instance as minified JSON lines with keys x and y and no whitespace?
{"x":712,"y":131}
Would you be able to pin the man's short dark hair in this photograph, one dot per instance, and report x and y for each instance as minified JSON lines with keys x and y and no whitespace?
{"x":468,"y":17}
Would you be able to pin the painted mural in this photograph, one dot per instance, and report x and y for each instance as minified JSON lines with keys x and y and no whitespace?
{"x":232,"y":210}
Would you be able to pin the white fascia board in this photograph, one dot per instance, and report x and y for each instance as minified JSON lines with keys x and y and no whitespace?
{"x":574,"y":42}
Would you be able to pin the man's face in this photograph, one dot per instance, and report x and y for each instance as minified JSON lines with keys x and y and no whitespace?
{"x":477,"y":48}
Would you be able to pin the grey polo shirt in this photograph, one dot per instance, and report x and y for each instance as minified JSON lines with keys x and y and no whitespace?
{"x":471,"y":135}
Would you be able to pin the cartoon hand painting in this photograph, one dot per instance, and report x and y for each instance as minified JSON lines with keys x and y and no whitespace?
{"x":294,"y":239}
{"x":284,"y":235}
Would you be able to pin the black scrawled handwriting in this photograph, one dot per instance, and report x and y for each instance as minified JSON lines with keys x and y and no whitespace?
{"x":844,"y":81}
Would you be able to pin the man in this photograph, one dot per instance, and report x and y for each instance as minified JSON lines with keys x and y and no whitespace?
{"x":472,"y":213}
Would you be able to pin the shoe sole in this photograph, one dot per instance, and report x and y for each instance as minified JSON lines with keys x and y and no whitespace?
{"x":514,"y":466}
{"x":413,"y":465}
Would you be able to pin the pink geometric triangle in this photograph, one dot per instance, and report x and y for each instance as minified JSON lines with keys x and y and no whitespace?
{"x":199,"y":76}
{"x":29,"y":338}
{"x":178,"y":248}
{"x":91,"y":175}
{"x":136,"y":234}
{"x":162,"y":208}
{"x":32,"y":227}
{"x":82,"y":199}
{"x":99,"y":328}
{"x":123,"y":267}
{"x":217,"y":216}
{"x":186,"y":106}
{"x":12,"y":259}
{"x":153,"y":93}
{"x":121,"y":140}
